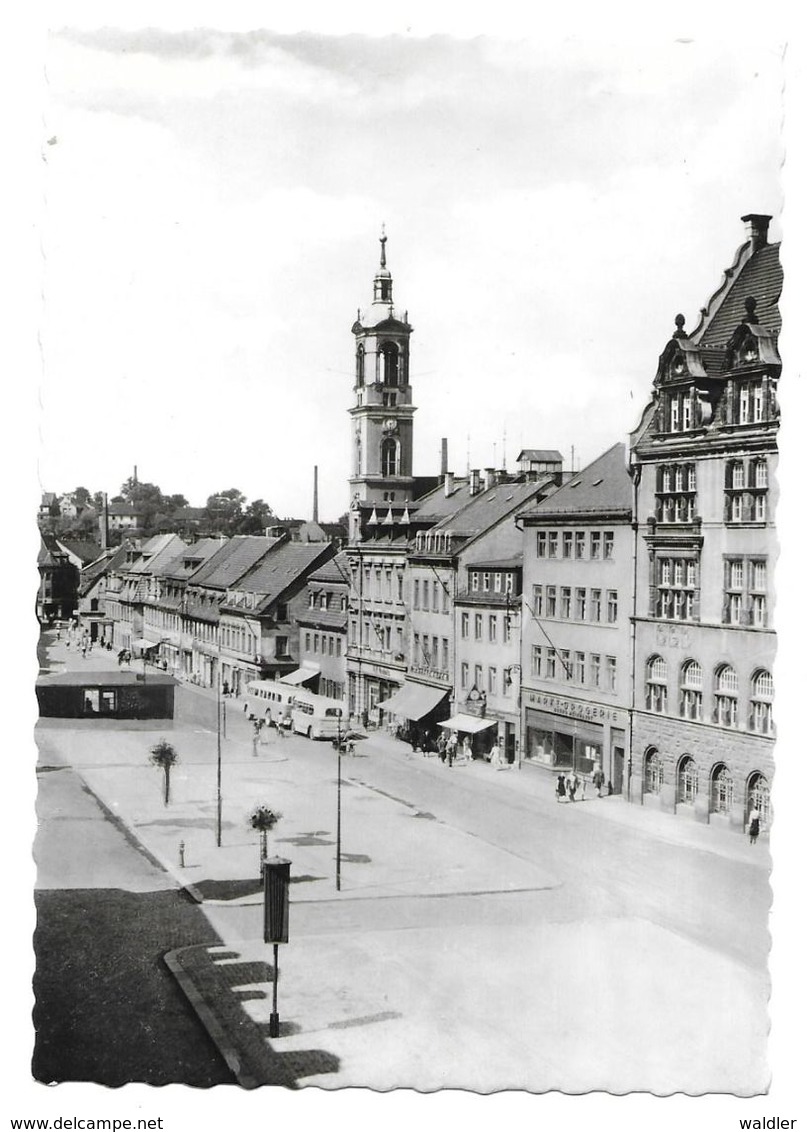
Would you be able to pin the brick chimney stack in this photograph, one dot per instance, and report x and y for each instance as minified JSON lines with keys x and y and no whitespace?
{"x":756,"y":229}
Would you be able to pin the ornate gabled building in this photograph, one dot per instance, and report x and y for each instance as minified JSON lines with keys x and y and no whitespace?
{"x":704,"y":463}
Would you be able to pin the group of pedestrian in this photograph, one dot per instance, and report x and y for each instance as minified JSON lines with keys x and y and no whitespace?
{"x":568,"y":786}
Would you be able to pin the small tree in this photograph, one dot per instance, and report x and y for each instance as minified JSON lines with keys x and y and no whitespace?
{"x":164,"y":755}
{"x":263,"y":819}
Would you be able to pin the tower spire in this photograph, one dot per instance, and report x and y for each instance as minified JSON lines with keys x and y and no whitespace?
{"x":382,"y":284}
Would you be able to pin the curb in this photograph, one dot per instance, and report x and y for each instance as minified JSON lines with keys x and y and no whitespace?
{"x":249,"y":1056}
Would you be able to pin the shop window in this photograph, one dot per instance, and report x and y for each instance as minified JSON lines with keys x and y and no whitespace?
{"x":653,"y":772}
{"x":656,"y":685}
{"x":691,"y":706}
{"x":762,"y":703}
{"x":687,"y":780}
{"x":726,"y":692}
{"x":722,"y":790}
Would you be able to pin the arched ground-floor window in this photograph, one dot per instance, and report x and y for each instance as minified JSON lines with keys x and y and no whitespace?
{"x":722,"y":790}
{"x":758,"y":796}
{"x":653,"y":771}
{"x":687,"y":780}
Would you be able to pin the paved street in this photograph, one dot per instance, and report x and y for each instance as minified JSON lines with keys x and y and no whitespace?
{"x":485,"y":936}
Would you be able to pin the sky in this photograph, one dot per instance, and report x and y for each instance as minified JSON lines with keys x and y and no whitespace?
{"x":212,"y":206}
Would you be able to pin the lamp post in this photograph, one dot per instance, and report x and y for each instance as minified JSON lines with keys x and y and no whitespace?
{"x":218,"y":760}
{"x":338,"y":799}
{"x":517,"y":668}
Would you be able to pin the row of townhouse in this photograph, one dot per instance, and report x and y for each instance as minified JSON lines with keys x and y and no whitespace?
{"x":217,"y":612}
{"x":617,"y":618}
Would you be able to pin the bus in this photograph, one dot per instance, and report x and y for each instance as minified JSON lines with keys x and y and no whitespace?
{"x":318,"y":717}
{"x":270,"y":701}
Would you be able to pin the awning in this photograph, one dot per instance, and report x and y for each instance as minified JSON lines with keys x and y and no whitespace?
{"x":470,"y":724}
{"x":143,"y":645}
{"x":300,"y":675}
{"x":413,"y":701}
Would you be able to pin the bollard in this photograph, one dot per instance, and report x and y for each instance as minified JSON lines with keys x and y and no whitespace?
{"x":182,"y":854}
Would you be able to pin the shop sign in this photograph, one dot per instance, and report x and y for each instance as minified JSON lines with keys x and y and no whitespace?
{"x":572,"y":708}
{"x":429,"y":673}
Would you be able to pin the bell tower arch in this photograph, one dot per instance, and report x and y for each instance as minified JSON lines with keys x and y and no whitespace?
{"x":382,"y":411}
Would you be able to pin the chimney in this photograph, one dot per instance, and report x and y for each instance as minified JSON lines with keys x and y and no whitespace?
{"x":490,"y":478}
{"x":315,"y":515}
{"x":105,"y":524}
{"x":448,"y":482}
{"x":474,"y":484}
{"x":444,"y":457}
{"x":756,"y":229}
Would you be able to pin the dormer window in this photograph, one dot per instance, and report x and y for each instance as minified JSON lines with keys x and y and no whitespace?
{"x":678,"y":366}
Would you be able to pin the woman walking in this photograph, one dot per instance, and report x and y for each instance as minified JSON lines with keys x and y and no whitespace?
{"x":560,"y":788}
{"x":753,"y":825}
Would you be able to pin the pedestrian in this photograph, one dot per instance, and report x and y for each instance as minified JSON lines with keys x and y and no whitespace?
{"x":67,"y":643}
{"x":598,"y":778}
{"x":560,"y":788}
{"x":495,"y":757}
{"x":467,"y":752}
{"x":753,"y":825}
{"x":58,"y":634}
{"x":441,"y":746}
{"x":451,"y":750}
{"x":571,"y":787}
{"x":583,"y":789}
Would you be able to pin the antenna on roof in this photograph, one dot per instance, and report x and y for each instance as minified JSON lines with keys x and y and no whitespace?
{"x":504,"y":448}
{"x":572,"y":459}
{"x":468,"y":455}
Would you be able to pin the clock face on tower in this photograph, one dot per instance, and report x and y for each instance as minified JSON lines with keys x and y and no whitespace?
{"x":390,"y":425}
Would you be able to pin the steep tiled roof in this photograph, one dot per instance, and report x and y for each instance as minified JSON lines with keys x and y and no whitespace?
{"x":191,"y":558}
{"x":233,"y":560}
{"x":335,"y":571}
{"x":487,"y":508}
{"x":156,"y":553}
{"x":281,"y":568}
{"x":603,"y":486}
{"x":761,"y":278}
{"x":110,"y":559}
{"x":547,"y":455}
{"x":83,"y":549}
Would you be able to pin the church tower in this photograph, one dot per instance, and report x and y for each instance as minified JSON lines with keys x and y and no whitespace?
{"x":381,"y":416}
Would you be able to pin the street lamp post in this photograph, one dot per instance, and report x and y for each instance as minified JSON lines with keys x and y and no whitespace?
{"x":338,"y":799}
{"x":218,"y":761}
